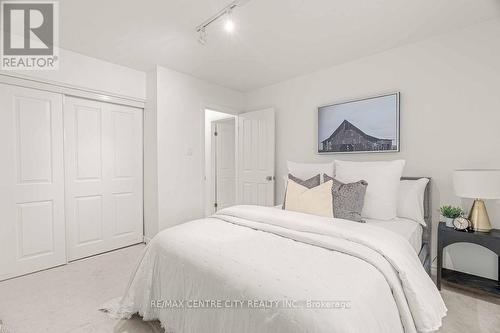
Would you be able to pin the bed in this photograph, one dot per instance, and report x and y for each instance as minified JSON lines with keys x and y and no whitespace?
{"x":262,"y":269}
{"x":406,"y":228}
{"x":426,"y":241}
{"x":417,"y":235}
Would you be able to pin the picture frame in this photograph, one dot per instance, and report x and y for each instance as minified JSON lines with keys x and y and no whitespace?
{"x":363,"y":125}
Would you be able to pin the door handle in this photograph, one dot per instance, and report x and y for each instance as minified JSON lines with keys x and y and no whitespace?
{"x":269,"y":178}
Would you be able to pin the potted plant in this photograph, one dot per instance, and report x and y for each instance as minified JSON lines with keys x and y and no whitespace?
{"x":450,"y":213}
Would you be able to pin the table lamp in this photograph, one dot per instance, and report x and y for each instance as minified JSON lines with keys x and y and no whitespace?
{"x":478,"y":184}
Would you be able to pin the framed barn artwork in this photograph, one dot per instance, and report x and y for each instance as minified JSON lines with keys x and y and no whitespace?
{"x":364,"y":125}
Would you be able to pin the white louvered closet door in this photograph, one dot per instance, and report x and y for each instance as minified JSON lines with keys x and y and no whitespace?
{"x":103,"y":172}
{"x":32,"y":233}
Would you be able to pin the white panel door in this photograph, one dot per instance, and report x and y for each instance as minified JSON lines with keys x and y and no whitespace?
{"x":103,"y":166}
{"x":32,"y":230}
{"x":225,"y":163}
{"x":256,"y":158}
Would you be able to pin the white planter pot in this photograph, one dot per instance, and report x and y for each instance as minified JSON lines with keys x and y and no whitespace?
{"x":449,"y":222}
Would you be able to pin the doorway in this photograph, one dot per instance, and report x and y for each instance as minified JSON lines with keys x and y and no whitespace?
{"x":239,"y":159}
{"x":220,"y":160}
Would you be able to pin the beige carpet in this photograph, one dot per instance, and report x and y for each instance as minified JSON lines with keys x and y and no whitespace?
{"x":65,"y":299}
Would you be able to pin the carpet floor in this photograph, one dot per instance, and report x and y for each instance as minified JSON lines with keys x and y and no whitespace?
{"x":65,"y":300}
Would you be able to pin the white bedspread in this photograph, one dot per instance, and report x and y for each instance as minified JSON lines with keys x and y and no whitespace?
{"x":265,"y":254}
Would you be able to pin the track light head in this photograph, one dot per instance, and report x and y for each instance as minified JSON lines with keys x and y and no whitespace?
{"x":229,"y":23}
{"x":202,"y":38}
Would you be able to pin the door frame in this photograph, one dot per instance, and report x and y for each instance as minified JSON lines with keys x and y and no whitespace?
{"x":230,"y":112}
{"x":213,"y":159}
{"x":65,"y":89}
{"x":68,"y":90}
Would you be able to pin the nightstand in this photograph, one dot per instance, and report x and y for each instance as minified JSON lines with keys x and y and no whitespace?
{"x":469,"y":282}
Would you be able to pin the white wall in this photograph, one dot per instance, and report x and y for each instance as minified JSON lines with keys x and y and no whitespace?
{"x":81,"y":71}
{"x":151,"y":225}
{"x":450,"y":115}
{"x":181,"y":101}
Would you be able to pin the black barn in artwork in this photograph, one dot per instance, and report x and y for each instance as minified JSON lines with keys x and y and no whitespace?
{"x":348,"y":137}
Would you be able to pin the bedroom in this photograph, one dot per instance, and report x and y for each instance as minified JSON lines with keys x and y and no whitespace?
{"x":112,"y":147}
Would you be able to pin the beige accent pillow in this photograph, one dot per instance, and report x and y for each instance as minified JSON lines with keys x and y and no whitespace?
{"x":315,"y":201}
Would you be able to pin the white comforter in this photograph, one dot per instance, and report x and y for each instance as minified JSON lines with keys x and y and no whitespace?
{"x":266,"y":254}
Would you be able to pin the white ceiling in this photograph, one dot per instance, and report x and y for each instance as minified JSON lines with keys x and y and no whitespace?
{"x":275,"y":39}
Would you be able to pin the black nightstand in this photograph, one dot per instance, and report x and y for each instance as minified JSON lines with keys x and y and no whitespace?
{"x":490,"y":240}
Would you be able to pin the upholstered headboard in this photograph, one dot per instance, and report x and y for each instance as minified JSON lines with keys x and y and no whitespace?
{"x":425,"y":251}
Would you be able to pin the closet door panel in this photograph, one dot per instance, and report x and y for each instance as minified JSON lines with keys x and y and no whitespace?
{"x":103,"y":151}
{"x":32,"y":230}
{"x":33,"y":136}
{"x":89,"y":219}
{"x":83,"y":152}
{"x":126,"y":176}
{"x":88,"y":141}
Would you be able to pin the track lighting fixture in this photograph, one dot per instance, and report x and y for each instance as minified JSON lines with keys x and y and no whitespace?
{"x":226,"y":12}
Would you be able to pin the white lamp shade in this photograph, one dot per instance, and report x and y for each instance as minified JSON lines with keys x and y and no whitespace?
{"x":477,"y":183}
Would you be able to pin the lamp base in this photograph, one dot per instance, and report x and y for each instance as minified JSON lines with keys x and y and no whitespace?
{"x":479,"y":216}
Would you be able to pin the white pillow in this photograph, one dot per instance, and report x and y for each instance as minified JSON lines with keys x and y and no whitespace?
{"x":411,"y":199}
{"x":314,"y":201}
{"x":308,"y":170}
{"x":383,"y":184}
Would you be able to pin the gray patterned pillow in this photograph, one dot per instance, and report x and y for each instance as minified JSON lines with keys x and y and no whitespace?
{"x":348,"y":199}
{"x":309,"y":183}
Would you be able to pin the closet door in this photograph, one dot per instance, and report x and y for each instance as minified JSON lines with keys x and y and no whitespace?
{"x":103,"y":163}
{"x":32,"y":231}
